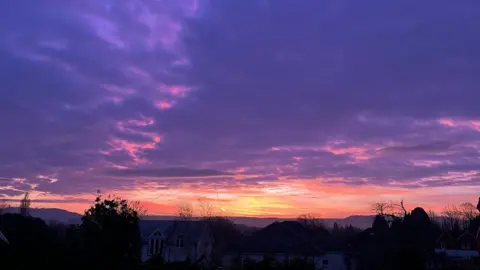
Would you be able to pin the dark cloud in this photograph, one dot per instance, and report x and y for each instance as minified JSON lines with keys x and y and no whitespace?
{"x":429,"y":147}
{"x":167,"y":172}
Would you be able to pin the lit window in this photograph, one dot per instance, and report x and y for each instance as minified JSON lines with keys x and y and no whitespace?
{"x":180,"y":241}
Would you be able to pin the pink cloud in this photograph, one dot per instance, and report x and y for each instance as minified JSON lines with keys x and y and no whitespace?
{"x":460,"y":123}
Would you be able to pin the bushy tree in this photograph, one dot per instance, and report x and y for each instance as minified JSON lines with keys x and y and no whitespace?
{"x":112,"y":235}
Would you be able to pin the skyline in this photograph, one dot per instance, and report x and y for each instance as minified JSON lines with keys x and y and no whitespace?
{"x":264,"y":108}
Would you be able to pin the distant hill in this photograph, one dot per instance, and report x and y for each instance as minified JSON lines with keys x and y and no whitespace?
{"x":361,"y":222}
{"x":50,"y":214}
{"x":67,"y":217}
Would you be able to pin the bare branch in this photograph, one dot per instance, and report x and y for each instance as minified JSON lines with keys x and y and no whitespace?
{"x":3,"y":205}
{"x":138,"y":207}
{"x":206,"y":208}
{"x":403,"y":208}
{"x":25,"y":205}
{"x":392,"y":210}
{"x":309,"y":220}
{"x":382,"y":208}
{"x":452,"y":215}
{"x":185,"y":211}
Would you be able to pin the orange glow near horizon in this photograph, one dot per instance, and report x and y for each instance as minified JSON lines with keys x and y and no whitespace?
{"x":287,"y":199}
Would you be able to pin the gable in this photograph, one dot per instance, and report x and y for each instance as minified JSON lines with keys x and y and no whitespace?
{"x":149,"y":227}
{"x":157,"y":234}
{"x":192,"y":231}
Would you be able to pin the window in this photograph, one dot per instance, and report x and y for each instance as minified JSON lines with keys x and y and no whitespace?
{"x":325,"y":262}
{"x":150,"y":249}
{"x":180,"y":241}
{"x":442,"y":245}
{"x":156,"y":246}
{"x":466,"y":246}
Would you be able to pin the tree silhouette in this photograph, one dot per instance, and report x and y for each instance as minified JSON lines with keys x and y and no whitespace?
{"x":25,"y":205}
{"x":185,"y":211}
{"x":112,"y":235}
{"x":380,"y":225}
{"x":478,"y":204}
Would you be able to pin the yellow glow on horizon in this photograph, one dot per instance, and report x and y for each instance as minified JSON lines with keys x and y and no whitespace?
{"x":288,"y":198}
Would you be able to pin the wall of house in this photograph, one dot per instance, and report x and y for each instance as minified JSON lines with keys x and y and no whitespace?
{"x":204,"y":246}
{"x":328,"y":261}
{"x":144,"y":257}
{"x":227,"y":259}
{"x":333,"y":261}
{"x":177,"y":254}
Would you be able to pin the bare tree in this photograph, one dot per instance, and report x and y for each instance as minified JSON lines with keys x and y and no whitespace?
{"x":206,"y":208}
{"x":391,"y":210}
{"x":3,"y":205}
{"x":309,"y":220}
{"x":25,"y":205}
{"x":404,"y":211}
{"x":138,"y":207}
{"x":382,"y":208}
{"x":185,"y":211}
{"x":452,"y":215}
{"x":433,"y":216}
{"x":469,"y":213}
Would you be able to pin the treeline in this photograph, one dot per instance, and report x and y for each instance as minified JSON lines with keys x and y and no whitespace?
{"x":401,"y":239}
{"x":107,"y":238}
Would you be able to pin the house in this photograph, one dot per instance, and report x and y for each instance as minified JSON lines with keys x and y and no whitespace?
{"x":153,"y":233}
{"x":188,"y":239}
{"x":285,"y":241}
{"x":176,"y":241}
{"x":458,"y":251}
{"x":464,"y":246}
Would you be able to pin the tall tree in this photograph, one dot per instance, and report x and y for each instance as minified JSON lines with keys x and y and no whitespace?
{"x":25,"y":205}
{"x":185,"y":211}
{"x":452,"y":216}
{"x":206,"y":208}
{"x":478,"y":204}
{"x":112,"y":234}
{"x":3,"y":205}
{"x":468,"y":212}
{"x":380,"y":225}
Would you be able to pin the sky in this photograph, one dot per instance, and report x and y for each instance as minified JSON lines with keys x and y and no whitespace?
{"x":257,"y":107}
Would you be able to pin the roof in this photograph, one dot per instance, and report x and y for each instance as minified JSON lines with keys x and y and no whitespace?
{"x":147,"y":227}
{"x":445,"y":237}
{"x":455,"y":253}
{"x":466,"y":237}
{"x":191,"y":230}
{"x":288,"y":237}
{"x":3,"y":238}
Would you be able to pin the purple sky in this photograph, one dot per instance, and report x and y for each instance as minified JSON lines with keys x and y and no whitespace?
{"x":265,"y":107}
